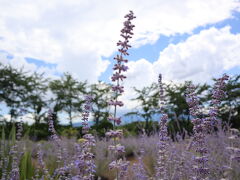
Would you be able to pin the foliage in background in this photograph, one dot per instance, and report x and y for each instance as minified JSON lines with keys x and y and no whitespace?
{"x":68,"y":95}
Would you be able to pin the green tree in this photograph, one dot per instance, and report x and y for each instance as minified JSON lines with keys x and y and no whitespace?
{"x":101,"y":95}
{"x":14,"y":84}
{"x":68,"y":95}
{"x":177,"y":106}
{"x":147,"y":98}
{"x":35,"y":99}
{"x":230,"y":106}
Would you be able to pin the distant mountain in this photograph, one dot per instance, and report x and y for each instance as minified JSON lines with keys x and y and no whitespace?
{"x":126,"y":120}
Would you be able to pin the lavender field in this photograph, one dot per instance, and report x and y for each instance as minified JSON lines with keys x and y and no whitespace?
{"x":169,"y":130}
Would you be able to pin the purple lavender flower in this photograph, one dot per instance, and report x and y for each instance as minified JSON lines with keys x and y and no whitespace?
{"x":19,"y":128}
{"x":84,"y":161}
{"x":115,"y":134}
{"x":138,"y":168}
{"x":199,"y":129}
{"x":233,"y":151}
{"x":4,"y":168}
{"x":41,"y":164}
{"x":115,"y":103}
{"x":15,"y":174}
{"x":62,"y":155}
{"x":161,"y":169}
{"x":54,"y":135}
{"x":115,"y":120}
{"x":119,"y":68}
{"x":86,"y":112}
{"x":217,"y":95}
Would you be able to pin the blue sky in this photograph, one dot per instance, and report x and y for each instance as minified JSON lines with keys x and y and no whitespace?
{"x":151,"y":51}
{"x":183,"y":40}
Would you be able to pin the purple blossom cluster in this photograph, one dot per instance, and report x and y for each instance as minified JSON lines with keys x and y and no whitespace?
{"x":41,"y":165}
{"x":120,"y":165}
{"x":161,"y":169}
{"x":218,"y":94}
{"x":54,"y":135}
{"x":85,"y":158}
{"x":14,"y":174}
{"x":138,"y":168}
{"x":201,"y":158}
{"x":234,"y":152}
{"x":114,"y":134}
{"x":86,"y":112}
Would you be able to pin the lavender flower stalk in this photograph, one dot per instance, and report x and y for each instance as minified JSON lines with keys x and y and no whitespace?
{"x":15,"y":174}
{"x":4,"y":168}
{"x":42,"y":165}
{"x":201,"y":168}
{"x":61,"y":172}
{"x":161,"y":169}
{"x":217,"y":95}
{"x":85,"y":162}
{"x":54,"y":135}
{"x":234,"y":152}
{"x":138,"y":168}
{"x":85,"y":114}
{"x":119,"y":68}
{"x":2,"y":153}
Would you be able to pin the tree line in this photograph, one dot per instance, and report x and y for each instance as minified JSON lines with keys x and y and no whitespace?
{"x":35,"y":94}
{"x":25,"y":92}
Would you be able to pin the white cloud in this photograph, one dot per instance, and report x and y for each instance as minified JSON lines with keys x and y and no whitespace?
{"x":139,"y":74}
{"x":27,"y":118}
{"x":76,"y":34}
{"x":20,"y":62}
{"x":201,"y":57}
{"x":88,"y":66}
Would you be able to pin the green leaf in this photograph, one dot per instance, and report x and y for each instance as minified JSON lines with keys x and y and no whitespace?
{"x":12,"y":135}
{"x":26,"y":167}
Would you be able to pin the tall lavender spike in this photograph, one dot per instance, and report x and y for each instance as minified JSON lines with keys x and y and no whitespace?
{"x":61,"y":151}
{"x":54,"y":135}
{"x":15,"y":173}
{"x":120,"y":165}
{"x":86,"y":112}
{"x":138,"y":168}
{"x":234,"y":152}
{"x":201,"y":158}
{"x":84,"y":160}
{"x":5,"y":175}
{"x":19,"y":130}
{"x":161,"y":169}
{"x":2,"y":155}
{"x":217,"y":95}
{"x":41,"y":164}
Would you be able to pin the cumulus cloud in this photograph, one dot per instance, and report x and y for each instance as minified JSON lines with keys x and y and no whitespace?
{"x":20,"y":62}
{"x":139,"y":75}
{"x":201,"y":57}
{"x":76,"y":34}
